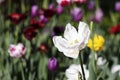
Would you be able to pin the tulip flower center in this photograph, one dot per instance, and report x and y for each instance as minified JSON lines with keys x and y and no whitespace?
{"x":12,"y":49}
{"x":74,"y":42}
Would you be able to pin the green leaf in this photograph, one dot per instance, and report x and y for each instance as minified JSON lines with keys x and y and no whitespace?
{"x":103,"y":73}
{"x":92,"y":73}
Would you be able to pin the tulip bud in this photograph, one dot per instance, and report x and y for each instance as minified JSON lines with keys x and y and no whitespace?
{"x":98,"y":15}
{"x":59,"y":9}
{"x":52,"y":64}
{"x":91,"y":5}
{"x":117,"y":6}
{"x":34,"y":10}
{"x":76,"y":14}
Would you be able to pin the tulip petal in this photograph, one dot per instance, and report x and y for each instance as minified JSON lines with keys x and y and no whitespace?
{"x":70,"y":32}
{"x":73,"y":53}
{"x":60,"y":43}
{"x":84,"y":32}
{"x":63,"y":46}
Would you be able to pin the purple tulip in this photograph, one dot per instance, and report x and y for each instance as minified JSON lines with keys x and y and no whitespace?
{"x":91,"y":5}
{"x":52,"y":64}
{"x":76,"y":14}
{"x":117,"y":6}
{"x":43,"y":19}
{"x":51,"y":6}
{"x":34,"y":10}
{"x":59,"y":9}
{"x":98,"y":15}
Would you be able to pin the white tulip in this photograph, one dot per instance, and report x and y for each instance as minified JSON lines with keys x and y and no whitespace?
{"x":73,"y":40}
{"x":74,"y":72}
{"x":101,"y":61}
{"x":115,"y":68}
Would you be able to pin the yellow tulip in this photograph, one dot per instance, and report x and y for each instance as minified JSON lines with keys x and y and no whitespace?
{"x":97,"y":43}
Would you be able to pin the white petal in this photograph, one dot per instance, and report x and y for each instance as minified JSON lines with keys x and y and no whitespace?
{"x":63,"y":46}
{"x":60,"y":43}
{"x":72,"y":73}
{"x":70,"y":32}
{"x":101,"y":61}
{"x":115,"y":68}
{"x":84,"y":32}
{"x":72,"y":53}
{"x":19,"y":46}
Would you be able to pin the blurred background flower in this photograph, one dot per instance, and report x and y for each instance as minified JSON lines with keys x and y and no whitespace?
{"x":76,"y":14}
{"x":17,"y":50}
{"x":117,"y":6}
{"x":16,"y":17}
{"x":115,"y":29}
{"x":91,"y":5}
{"x":98,"y":15}
{"x":59,"y":9}
{"x":63,"y":2}
{"x":97,"y":43}
{"x":29,"y":32}
{"x":52,"y":64}
{"x":34,"y":10}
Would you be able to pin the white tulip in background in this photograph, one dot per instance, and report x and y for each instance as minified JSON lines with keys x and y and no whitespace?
{"x":101,"y":61}
{"x":17,"y":50}
{"x":74,"y":72}
{"x":73,"y":40}
{"x":115,"y":68}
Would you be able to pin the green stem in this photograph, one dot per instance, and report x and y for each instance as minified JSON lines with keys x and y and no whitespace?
{"x":22,"y":6}
{"x":45,"y":4}
{"x":22,"y":72}
{"x":52,"y":75}
{"x":81,"y":64}
{"x":9,"y":6}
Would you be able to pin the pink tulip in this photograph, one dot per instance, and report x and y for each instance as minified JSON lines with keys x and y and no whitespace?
{"x":63,"y":2}
{"x":34,"y":10}
{"x":59,"y":9}
{"x":98,"y":15}
{"x":17,"y":50}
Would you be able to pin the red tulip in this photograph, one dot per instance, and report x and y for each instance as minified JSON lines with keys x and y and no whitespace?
{"x":115,"y":29}
{"x":37,"y":24}
{"x":48,"y":13}
{"x":16,"y":17}
{"x":30,"y":32}
{"x":43,"y":47}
